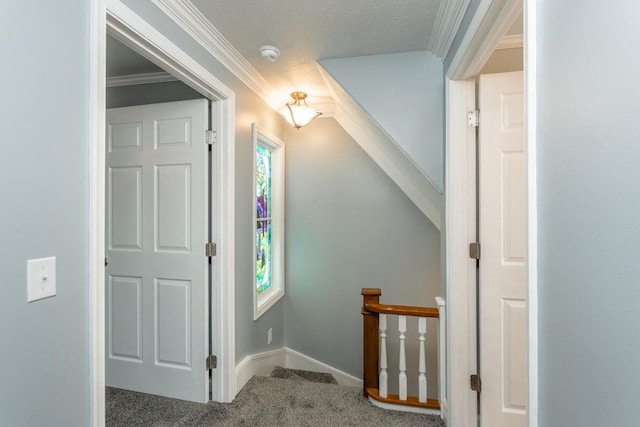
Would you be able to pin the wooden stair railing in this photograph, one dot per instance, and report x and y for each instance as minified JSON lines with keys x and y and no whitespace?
{"x":375,"y":352}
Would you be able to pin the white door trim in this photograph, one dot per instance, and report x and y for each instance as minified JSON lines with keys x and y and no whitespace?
{"x":460,"y":226}
{"x":97,"y":119}
{"x":481,"y":38}
{"x":489,"y":24}
{"x":531,"y":102}
{"x":122,"y":23}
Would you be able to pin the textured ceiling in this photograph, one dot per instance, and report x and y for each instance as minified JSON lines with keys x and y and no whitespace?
{"x":308,"y":30}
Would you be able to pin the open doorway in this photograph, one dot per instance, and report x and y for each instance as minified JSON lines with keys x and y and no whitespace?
{"x":158,"y":286}
{"x":489,"y":29}
{"x":126,"y":27}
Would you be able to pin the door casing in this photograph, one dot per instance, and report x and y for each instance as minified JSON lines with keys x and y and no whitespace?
{"x":119,"y":21}
{"x":489,"y":23}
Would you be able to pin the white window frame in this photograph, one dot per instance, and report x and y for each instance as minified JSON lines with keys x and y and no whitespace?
{"x":266,"y":300}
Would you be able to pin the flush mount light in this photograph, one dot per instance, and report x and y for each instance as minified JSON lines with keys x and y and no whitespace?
{"x":298,"y":113}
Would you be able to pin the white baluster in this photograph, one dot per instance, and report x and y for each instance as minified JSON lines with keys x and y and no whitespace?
{"x":402,"y":378}
{"x":422,"y":368}
{"x":382,"y":383}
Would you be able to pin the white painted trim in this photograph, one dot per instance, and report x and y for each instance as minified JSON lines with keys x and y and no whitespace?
{"x":442,"y":355}
{"x":198,"y":27}
{"x":97,"y":102}
{"x":297,"y":360}
{"x":492,"y":20}
{"x":129,"y":28}
{"x":225,"y":316}
{"x":140,"y":79}
{"x":385,"y":152}
{"x":187,"y":16}
{"x":445,"y":28}
{"x":261,"y":136}
{"x":511,"y":42}
{"x":258,"y":364}
{"x":531,"y":87}
{"x":403,"y":408}
{"x":460,"y":230}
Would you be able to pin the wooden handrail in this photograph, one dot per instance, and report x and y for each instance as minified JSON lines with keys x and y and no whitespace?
{"x":402,"y":310}
{"x":371,"y":311}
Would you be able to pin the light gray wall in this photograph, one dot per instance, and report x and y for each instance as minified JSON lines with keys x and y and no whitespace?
{"x":126,"y":96}
{"x":44,"y":170}
{"x":404,"y":94}
{"x":588,"y":153}
{"x":251,"y":337}
{"x":348,"y":226}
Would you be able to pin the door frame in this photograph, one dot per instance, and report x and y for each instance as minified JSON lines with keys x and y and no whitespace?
{"x":118,"y":20}
{"x":490,"y":21}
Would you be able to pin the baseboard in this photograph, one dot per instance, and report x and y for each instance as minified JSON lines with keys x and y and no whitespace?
{"x":296,"y":360}
{"x":263,"y":363}
{"x":444,"y":410}
{"x":258,"y":364}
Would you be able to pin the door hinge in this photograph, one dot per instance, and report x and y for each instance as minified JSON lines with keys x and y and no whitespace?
{"x":474,"y":250}
{"x":473,"y":118}
{"x":211,"y":137}
{"x":475,"y":382}
{"x":211,"y":362}
{"x":210,"y":249}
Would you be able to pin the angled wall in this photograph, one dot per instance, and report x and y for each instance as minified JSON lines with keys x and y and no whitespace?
{"x":404,"y":94}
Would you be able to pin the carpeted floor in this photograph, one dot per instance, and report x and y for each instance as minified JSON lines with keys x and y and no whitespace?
{"x":287,"y":398}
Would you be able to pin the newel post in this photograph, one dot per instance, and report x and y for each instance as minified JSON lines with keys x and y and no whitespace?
{"x":371,"y":336}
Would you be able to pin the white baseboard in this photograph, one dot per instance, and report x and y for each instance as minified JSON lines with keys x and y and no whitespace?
{"x":296,"y":360}
{"x":258,"y":364}
{"x":444,"y":410}
{"x":403,"y":408}
{"x":263,"y":363}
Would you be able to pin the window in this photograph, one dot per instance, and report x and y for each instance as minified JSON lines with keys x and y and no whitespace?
{"x":268,"y":220}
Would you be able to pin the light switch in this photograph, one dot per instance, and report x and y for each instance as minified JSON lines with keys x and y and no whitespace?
{"x":41,"y":278}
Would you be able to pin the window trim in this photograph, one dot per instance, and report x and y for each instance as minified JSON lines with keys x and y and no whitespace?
{"x":263,"y":302}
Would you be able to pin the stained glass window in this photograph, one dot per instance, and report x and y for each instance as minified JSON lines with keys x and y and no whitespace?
{"x":263,"y":219}
{"x":268,"y":220}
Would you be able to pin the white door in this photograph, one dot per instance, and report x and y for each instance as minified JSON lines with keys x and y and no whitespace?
{"x":502,"y":291}
{"x":156,"y":227}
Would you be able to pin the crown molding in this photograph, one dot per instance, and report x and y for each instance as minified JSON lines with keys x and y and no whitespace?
{"x":445,"y":28}
{"x":511,"y":42}
{"x":140,"y":79}
{"x":196,"y":25}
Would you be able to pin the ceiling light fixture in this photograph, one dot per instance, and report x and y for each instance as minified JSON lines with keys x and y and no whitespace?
{"x":298,"y":113}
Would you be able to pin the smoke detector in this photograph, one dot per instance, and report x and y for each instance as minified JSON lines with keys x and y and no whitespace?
{"x":269,"y":53}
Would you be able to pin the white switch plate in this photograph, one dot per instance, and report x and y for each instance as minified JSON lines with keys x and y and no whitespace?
{"x":41,"y":278}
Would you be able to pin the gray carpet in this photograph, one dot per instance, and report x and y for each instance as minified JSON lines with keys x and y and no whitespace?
{"x":296,"y":374}
{"x":265,"y":401}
